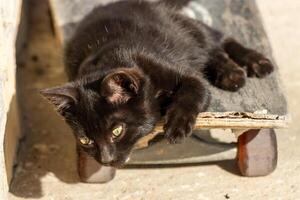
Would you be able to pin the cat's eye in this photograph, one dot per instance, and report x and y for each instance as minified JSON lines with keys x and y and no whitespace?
{"x":85,"y":140}
{"x":117,"y":131}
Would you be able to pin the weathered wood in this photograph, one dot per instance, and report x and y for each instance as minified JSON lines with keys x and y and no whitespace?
{"x":257,"y":152}
{"x":227,"y":120}
{"x":9,"y":134}
{"x":237,"y":120}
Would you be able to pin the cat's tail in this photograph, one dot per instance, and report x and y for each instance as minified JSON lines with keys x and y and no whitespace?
{"x":176,"y":4}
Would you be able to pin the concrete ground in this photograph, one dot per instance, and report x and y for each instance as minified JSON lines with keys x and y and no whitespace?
{"x":45,"y":172}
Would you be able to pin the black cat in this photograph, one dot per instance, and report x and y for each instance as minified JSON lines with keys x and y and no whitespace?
{"x":131,"y":63}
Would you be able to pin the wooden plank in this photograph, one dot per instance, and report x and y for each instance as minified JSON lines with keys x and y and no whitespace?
{"x":237,"y":123}
{"x":227,"y":120}
{"x":9,"y":134}
{"x":237,"y":18}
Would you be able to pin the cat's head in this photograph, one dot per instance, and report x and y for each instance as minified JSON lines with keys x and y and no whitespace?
{"x":108,"y":114}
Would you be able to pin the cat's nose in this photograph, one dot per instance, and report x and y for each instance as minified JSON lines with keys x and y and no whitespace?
{"x":106,"y":155}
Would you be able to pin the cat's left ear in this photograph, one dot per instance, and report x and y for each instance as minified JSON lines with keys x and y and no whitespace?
{"x":120,"y":86}
{"x":62,"y":97}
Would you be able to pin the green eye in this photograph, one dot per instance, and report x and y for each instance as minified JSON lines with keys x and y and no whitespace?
{"x":117,"y":131}
{"x":85,"y":140}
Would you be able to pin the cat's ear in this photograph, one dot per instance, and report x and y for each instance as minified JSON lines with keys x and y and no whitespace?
{"x":120,"y":86}
{"x":62,"y":97}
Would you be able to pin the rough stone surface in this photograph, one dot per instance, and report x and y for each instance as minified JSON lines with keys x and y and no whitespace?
{"x":46,"y":170}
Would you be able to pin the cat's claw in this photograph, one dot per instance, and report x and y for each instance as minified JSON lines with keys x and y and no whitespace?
{"x":179,"y":125}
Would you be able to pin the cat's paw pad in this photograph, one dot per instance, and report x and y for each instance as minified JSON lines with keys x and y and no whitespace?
{"x":232,"y":79}
{"x":258,"y":65}
{"x":179,"y":125}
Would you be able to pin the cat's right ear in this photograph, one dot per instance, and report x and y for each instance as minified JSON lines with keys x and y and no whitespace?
{"x":62,"y":97}
{"x":120,"y":86}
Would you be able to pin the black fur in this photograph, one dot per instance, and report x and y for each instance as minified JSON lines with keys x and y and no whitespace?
{"x":134,"y":62}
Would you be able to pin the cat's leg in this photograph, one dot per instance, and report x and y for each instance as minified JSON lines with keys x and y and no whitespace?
{"x":227,"y":55}
{"x":255,"y":63}
{"x":223,"y":72}
{"x":190,"y":98}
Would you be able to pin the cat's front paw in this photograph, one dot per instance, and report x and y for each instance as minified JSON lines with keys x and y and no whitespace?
{"x":258,"y":65}
{"x":179,"y":124}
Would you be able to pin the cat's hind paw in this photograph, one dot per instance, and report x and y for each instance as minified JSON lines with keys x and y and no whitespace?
{"x":258,"y":65}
